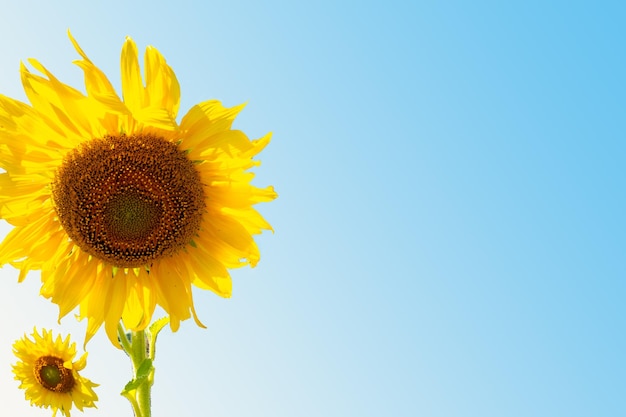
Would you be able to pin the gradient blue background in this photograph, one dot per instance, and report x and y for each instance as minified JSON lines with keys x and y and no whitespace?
{"x":450,"y":234}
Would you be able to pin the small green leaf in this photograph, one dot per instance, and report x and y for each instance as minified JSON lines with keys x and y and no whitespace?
{"x":132,"y":385}
{"x":143,"y":372}
{"x":156,"y":327}
{"x":145,"y":368}
{"x":153,"y":331}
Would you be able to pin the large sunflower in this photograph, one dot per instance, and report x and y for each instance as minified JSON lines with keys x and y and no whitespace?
{"x":49,"y":377}
{"x":121,"y":207}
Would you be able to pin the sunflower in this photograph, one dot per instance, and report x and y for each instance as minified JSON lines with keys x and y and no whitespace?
{"x":121,"y":207}
{"x":48,"y":375}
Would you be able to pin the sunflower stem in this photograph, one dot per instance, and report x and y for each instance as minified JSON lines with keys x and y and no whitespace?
{"x":123,"y":338}
{"x":138,"y":390}
{"x":139,"y":356}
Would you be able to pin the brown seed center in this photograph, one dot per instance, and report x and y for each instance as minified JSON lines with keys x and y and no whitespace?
{"x":52,"y":375}
{"x":131,"y":215}
{"x":129,"y":200}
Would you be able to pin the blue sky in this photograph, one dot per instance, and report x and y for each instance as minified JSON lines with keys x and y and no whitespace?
{"x":449,"y":237}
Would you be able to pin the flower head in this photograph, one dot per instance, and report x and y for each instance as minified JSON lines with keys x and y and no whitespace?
{"x":48,"y":375}
{"x":120,"y":206}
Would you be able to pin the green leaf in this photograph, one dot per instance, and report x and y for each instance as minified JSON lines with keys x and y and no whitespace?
{"x":153,"y":331}
{"x":143,"y":372}
{"x":156,"y":327}
{"x":145,"y":368}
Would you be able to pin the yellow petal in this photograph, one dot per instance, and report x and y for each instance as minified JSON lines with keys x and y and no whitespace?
{"x":96,"y":82}
{"x":209,"y":273}
{"x":116,"y":297}
{"x":206,"y":119}
{"x":132,"y":86}
{"x":162,"y":88}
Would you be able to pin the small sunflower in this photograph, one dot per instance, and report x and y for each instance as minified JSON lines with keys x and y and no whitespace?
{"x":121,"y":207}
{"x":48,"y":375}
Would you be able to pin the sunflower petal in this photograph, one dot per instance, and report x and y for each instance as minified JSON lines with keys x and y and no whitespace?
{"x":132,"y":86}
{"x":162,"y":88}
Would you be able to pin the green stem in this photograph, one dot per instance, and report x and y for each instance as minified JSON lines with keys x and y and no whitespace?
{"x":121,"y":335}
{"x":130,"y":396}
{"x":136,"y":348}
{"x":138,"y":355}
